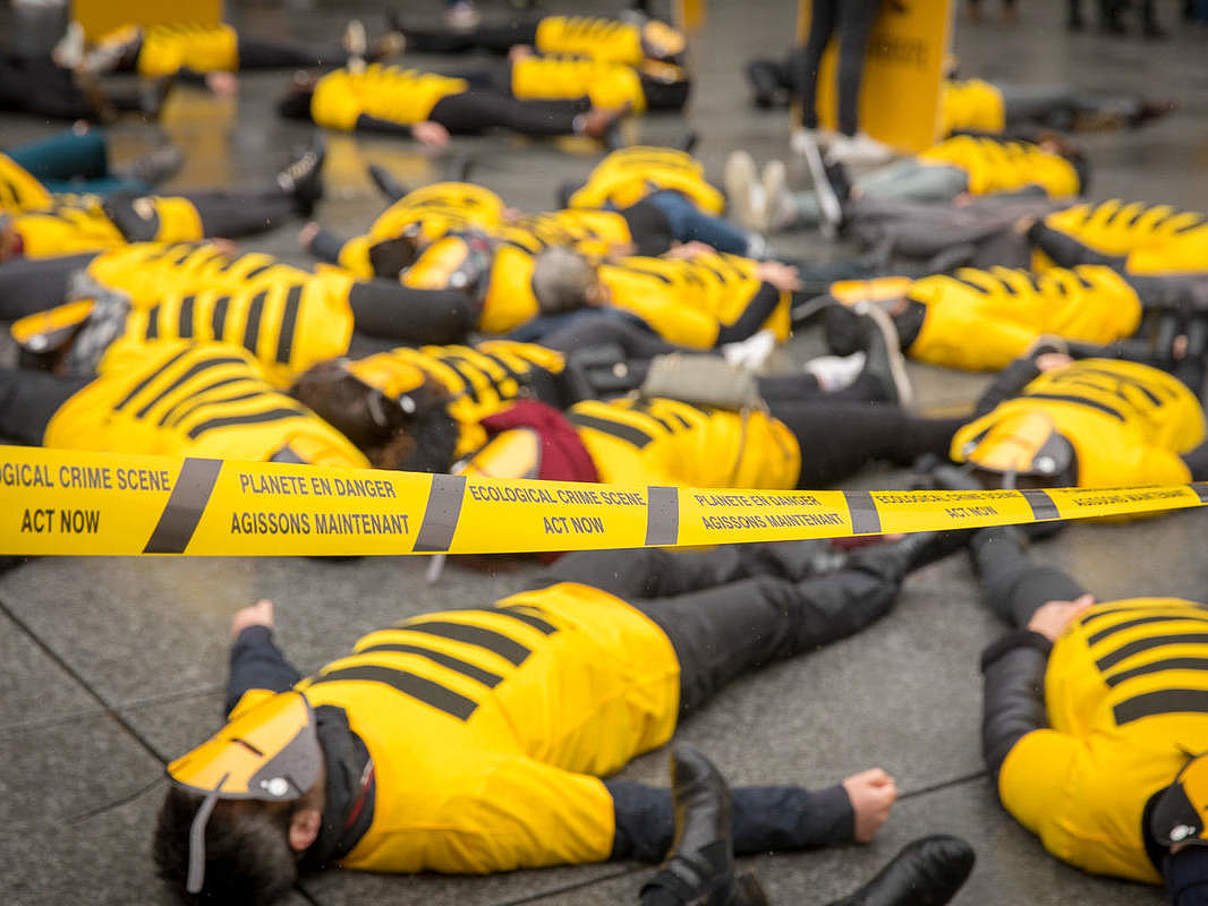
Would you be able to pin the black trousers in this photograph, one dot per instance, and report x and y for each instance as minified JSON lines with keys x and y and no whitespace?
{"x":853,"y":20}
{"x":388,"y":310}
{"x":226,"y":214}
{"x":730,"y":611}
{"x":491,"y":38}
{"x":258,"y":53}
{"x":1014,"y":585}
{"x":838,"y":437}
{"x":31,"y":285}
{"x":475,"y":111}
{"x":28,"y":400}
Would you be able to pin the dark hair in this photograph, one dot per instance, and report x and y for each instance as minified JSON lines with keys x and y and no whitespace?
{"x":392,"y":438}
{"x":248,"y":857}
{"x":296,"y":104}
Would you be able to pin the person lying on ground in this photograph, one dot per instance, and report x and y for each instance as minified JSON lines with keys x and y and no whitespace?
{"x":71,"y":224}
{"x":431,"y":107}
{"x":959,"y":166}
{"x":1094,"y":720}
{"x":1101,"y":420}
{"x":1135,"y":237}
{"x":416,"y":752}
{"x":981,"y":320}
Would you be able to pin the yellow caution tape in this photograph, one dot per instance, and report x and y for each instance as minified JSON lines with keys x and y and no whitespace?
{"x":73,"y":502}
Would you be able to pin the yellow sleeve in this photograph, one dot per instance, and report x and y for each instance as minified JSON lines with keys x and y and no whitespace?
{"x":1034,"y":781}
{"x":524,"y":814}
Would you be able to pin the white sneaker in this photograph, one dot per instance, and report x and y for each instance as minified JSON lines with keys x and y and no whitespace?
{"x":860,"y":148}
{"x":834,"y":372}
{"x":752,"y":352}
{"x":69,"y":52}
{"x":802,"y":138}
{"x":356,"y":45}
{"x":779,"y":210}
{"x":748,"y":204}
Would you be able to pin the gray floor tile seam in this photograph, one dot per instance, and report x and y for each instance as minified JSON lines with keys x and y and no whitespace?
{"x":630,"y":869}
{"x":131,"y":704}
{"x":79,"y":679}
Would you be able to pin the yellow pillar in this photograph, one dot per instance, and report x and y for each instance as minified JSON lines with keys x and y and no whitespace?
{"x":903,"y":72}
{"x":101,"y":16}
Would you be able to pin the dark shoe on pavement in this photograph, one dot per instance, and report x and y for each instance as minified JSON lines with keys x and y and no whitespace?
{"x":303,"y":178}
{"x":700,"y":868}
{"x":927,"y":872}
{"x":766,"y":90}
{"x":1152,"y":110}
{"x":883,"y":358}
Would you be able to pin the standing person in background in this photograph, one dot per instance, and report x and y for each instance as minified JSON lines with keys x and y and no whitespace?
{"x":852,"y":20}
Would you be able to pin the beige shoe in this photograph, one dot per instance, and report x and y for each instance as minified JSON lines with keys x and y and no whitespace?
{"x":780,"y":211}
{"x":748,"y":204}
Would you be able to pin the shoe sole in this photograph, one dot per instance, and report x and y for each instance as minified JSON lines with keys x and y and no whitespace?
{"x":740,"y":178}
{"x":893,"y":353}
{"x":775,"y":187}
{"x":828,"y":201}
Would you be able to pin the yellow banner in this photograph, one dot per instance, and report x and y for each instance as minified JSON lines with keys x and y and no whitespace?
{"x":80,"y":503}
{"x":903,"y":69}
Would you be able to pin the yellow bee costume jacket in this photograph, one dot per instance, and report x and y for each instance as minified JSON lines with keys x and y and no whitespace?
{"x":606,"y":40}
{"x":1143,"y":239}
{"x":185,"y":399}
{"x":1126,"y":698}
{"x":496,"y":268}
{"x":981,"y":320}
{"x":487,"y":729}
{"x":287,"y":318}
{"x":712,"y":299}
{"x":627,"y":176}
{"x":607,"y":84}
{"x":971,"y":105}
{"x":436,"y":210}
{"x":20,"y":190}
{"x":390,"y":93}
{"x":74,"y":224}
{"x":663,"y":441}
{"x":998,"y":166}
{"x":164,"y":50}
{"x":1127,"y":422}
{"x":481,"y":379}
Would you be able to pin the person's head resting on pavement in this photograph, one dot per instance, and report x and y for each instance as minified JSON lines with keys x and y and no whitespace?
{"x":406,"y":426}
{"x":565,"y":280}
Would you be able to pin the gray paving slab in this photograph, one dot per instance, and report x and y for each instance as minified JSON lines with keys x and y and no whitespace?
{"x":57,"y":772}
{"x":33,"y":688}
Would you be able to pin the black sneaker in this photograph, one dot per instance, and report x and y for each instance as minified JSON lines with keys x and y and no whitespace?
{"x":883,"y":354}
{"x":766,"y":89}
{"x":831,"y":186}
{"x":927,"y":872}
{"x":303,"y":178}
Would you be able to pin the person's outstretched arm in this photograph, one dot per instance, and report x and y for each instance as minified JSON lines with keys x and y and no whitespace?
{"x":764,"y":818}
{"x":257,"y":664}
